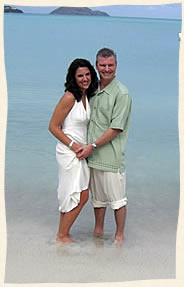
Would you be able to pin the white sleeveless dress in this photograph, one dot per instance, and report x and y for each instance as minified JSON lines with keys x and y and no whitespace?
{"x":73,"y":173}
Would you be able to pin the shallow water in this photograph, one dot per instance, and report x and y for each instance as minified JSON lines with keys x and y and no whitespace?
{"x":148,"y":250}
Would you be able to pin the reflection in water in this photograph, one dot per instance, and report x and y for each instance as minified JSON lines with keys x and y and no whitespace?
{"x":86,"y":244}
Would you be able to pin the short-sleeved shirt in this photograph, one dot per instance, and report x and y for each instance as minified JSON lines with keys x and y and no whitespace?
{"x":110,"y":108}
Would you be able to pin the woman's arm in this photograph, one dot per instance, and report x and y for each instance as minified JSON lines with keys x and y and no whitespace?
{"x":61,"y":111}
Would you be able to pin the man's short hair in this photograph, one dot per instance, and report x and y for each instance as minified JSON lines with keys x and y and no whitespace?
{"x":106,"y":52}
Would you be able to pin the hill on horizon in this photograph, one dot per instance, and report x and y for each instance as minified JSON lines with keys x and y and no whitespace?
{"x":78,"y":11}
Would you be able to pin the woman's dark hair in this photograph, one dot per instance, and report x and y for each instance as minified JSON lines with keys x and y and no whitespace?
{"x":71,"y":85}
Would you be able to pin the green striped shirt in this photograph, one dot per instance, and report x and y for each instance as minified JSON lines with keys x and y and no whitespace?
{"x":110,"y":108}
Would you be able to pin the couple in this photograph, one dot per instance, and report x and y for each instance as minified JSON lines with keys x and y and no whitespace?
{"x":91,"y":122}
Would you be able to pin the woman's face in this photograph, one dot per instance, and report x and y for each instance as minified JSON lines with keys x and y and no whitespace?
{"x":83,"y":78}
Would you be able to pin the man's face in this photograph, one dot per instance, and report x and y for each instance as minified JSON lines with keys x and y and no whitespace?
{"x":106,"y":68}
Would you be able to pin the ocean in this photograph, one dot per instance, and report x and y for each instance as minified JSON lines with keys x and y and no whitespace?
{"x":38,"y":51}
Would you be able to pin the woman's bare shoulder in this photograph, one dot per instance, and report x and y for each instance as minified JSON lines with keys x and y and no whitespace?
{"x":67,"y":99}
{"x":69,"y":95}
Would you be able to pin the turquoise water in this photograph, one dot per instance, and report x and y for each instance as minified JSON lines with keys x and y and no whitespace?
{"x":38,"y":50}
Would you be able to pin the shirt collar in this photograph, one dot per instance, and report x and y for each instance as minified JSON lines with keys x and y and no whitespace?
{"x":108,"y":89}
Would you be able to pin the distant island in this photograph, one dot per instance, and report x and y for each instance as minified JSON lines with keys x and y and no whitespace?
{"x":82,"y":11}
{"x":9,"y":9}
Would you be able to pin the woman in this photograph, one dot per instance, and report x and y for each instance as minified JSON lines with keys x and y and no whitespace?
{"x":69,"y":125}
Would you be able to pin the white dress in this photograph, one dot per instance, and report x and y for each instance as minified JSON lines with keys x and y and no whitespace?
{"x":73,"y":173}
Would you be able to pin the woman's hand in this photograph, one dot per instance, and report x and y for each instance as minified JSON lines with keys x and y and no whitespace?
{"x":75,"y":147}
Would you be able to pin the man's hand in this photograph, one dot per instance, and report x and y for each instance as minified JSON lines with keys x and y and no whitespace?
{"x":84,"y":151}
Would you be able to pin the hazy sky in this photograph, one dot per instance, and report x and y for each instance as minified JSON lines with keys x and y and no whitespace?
{"x":170,"y":11}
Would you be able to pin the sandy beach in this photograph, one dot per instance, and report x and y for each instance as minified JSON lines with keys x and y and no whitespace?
{"x":33,"y":256}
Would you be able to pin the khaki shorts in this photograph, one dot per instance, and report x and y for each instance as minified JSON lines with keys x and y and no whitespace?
{"x":107,"y":188}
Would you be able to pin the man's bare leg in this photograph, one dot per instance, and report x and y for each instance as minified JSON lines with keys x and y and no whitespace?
{"x":68,"y":218}
{"x":99,"y":220}
{"x":120,"y":216}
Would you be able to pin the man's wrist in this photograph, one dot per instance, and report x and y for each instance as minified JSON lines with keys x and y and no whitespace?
{"x":94,"y":146}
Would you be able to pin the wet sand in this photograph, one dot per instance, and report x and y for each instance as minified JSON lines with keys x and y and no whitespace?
{"x":148,"y":252}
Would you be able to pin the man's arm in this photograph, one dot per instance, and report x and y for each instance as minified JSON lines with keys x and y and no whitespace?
{"x":109,"y":135}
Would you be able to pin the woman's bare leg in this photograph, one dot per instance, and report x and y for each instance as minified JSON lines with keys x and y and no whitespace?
{"x":68,"y":218}
{"x":60,"y":226}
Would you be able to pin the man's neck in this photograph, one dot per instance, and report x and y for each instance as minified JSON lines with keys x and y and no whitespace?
{"x":104,"y":84}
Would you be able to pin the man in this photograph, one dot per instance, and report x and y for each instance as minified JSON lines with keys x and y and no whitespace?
{"x":107,"y":136}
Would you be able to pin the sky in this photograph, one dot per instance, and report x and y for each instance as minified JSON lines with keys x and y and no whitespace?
{"x":168,"y":11}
